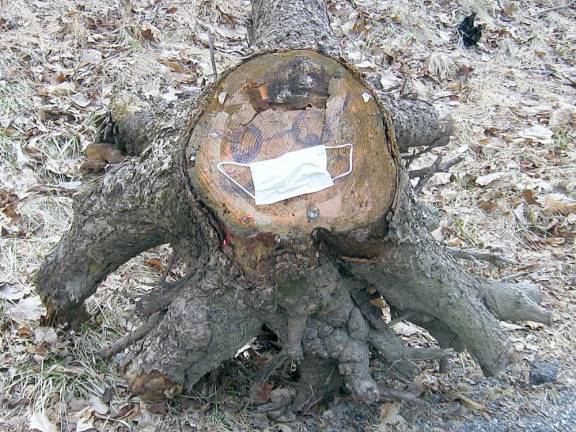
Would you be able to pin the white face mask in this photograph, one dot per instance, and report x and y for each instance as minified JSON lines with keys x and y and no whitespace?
{"x":292,"y":174}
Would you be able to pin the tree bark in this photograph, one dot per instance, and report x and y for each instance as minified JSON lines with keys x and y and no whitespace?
{"x":307,"y":267}
{"x":298,"y":24}
{"x":418,"y":124}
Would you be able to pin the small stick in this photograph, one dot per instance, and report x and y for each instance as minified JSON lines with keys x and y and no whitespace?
{"x":212,"y":59}
{"x":130,"y":338}
{"x":415,"y":154}
{"x":425,"y":174}
{"x":493,"y":258}
{"x":554,"y":9}
{"x":437,"y":166}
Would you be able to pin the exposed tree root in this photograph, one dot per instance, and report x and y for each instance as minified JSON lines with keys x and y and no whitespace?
{"x":425,"y":174}
{"x":129,"y":339}
{"x":415,"y":274}
{"x":401,"y":358}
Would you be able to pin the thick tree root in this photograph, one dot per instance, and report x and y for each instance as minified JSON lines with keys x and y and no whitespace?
{"x":207,"y":323}
{"x":324,"y":316}
{"x":132,"y":124}
{"x":116,"y":214}
{"x":403,"y":359}
{"x":418,"y":123}
{"x":413,"y":273}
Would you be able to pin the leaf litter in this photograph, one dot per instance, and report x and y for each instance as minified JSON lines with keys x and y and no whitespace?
{"x":513,"y":99}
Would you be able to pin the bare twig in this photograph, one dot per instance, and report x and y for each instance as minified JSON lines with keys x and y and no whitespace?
{"x":425,"y":174}
{"x":212,"y":57}
{"x":417,"y":154}
{"x":480,"y":255}
{"x":555,"y":8}
{"x":130,"y":338}
{"x":561,"y":75}
{"x":399,"y":395}
{"x":438,"y":166}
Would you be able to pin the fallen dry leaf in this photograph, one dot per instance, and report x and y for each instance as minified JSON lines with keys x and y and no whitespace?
{"x":99,"y":156}
{"x":12,"y":291}
{"x":28,"y":309}
{"x":85,"y":421}
{"x":263,"y":393}
{"x":128,"y":412}
{"x":534,"y":325}
{"x":488,"y":178}
{"x":561,"y":118}
{"x":538,"y":133}
{"x":390,"y":416}
{"x":45,"y":335}
{"x":155,"y":263}
{"x":405,"y":329}
{"x":558,"y":202}
{"x":39,"y":422}
{"x":80,"y":100}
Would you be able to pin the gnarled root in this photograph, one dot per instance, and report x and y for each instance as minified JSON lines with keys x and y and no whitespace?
{"x":413,"y":273}
{"x":207,"y":323}
{"x":403,"y":359}
{"x":114,"y":220}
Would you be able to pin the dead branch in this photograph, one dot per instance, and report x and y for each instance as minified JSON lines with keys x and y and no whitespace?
{"x":481,"y":255}
{"x":130,"y":338}
{"x":425,"y":174}
{"x":212,"y":57}
{"x":554,"y":9}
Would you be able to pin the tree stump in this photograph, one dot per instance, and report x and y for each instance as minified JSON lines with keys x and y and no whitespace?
{"x":306,"y":265}
{"x":280,"y":103}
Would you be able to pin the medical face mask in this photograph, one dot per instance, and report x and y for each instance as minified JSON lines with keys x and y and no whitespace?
{"x":292,"y":174}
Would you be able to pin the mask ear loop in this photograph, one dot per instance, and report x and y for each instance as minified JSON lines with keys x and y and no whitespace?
{"x":350,"y":160}
{"x":219,"y":167}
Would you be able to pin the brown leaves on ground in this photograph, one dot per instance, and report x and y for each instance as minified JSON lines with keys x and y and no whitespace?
{"x":99,"y":156}
{"x":10,"y":217}
{"x":390,"y":418}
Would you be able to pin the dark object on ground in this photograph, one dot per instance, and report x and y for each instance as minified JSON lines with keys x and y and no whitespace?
{"x":470,"y":33}
{"x":542,"y":373}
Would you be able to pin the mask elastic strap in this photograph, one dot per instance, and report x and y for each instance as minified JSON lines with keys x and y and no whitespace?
{"x":219,"y":167}
{"x":350,"y":163}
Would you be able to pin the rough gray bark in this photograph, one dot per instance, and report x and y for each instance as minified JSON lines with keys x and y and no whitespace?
{"x":311,"y":290}
{"x":414,"y":273}
{"x":418,"y":124}
{"x":207,"y":323}
{"x":114,"y":220}
{"x":298,"y":24}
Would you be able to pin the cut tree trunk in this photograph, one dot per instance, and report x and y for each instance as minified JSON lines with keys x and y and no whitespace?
{"x":308,"y":267}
